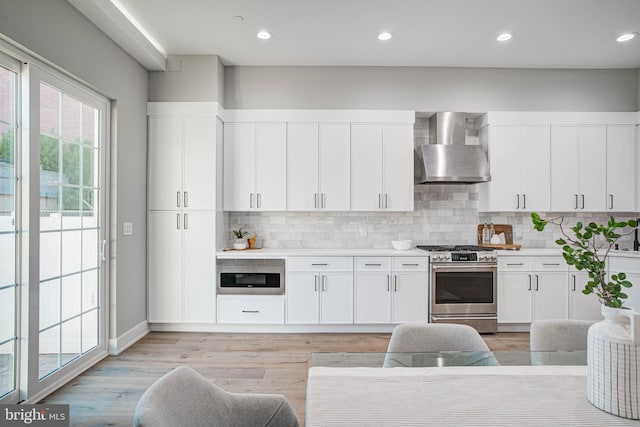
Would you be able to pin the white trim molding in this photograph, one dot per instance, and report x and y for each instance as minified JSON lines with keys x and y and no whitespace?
{"x":133,"y":335}
{"x":184,"y":109}
{"x":107,"y":16}
{"x":515,"y":118}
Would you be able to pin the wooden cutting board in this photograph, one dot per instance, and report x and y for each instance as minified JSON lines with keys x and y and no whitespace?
{"x":507,"y":229}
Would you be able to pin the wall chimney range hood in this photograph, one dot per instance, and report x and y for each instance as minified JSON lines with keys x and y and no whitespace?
{"x":447,"y":159}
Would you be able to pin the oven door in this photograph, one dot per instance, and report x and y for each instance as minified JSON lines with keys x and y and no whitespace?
{"x":464,"y":289}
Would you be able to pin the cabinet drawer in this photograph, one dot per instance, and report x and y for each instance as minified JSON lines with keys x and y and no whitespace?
{"x":410,"y":264}
{"x":320,"y":264}
{"x":251,"y":309}
{"x":550,"y":263}
{"x":373,"y":263}
{"x":626,"y":265}
{"x":514,"y":263}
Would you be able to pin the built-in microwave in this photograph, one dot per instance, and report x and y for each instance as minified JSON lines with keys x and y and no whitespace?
{"x":250,"y":276}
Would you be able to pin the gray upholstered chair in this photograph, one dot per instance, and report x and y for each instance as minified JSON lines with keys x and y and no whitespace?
{"x":185,"y":398}
{"x":562,"y":335}
{"x":413,"y":344}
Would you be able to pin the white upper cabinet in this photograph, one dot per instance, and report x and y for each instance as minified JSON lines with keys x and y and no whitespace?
{"x":621,"y":161}
{"x":578,"y":168}
{"x":182,"y":163}
{"x":381,"y":167}
{"x":519,"y":158}
{"x":318,"y":167}
{"x":255,"y":166}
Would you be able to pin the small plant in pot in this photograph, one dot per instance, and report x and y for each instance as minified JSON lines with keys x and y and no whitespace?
{"x":612,"y":344}
{"x":240,"y":242}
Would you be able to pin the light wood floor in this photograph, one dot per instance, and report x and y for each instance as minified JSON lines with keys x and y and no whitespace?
{"x":106,"y":394}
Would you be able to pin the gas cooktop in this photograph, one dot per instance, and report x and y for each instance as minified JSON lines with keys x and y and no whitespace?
{"x":454,"y":248}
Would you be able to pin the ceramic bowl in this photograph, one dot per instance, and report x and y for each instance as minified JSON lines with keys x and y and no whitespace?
{"x":401,"y":245}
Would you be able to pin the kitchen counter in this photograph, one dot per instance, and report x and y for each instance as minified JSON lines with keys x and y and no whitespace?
{"x":558,"y":252}
{"x":284,"y":253}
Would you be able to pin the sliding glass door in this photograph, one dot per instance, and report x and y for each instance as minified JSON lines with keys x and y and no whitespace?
{"x":53,"y":228}
{"x":67,"y":160}
{"x":8,"y":229}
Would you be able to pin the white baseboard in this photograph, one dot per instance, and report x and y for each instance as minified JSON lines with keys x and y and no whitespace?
{"x":121,"y":343}
{"x":255,"y":328}
{"x":513,"y":327}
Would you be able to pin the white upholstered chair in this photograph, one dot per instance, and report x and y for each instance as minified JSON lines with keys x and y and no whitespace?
{"x":408,"y":339}
{"x":185,"y":398}
{"x":552,"y":341}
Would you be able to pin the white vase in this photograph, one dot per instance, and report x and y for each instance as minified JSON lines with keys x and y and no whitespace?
{"x":613,"y":363}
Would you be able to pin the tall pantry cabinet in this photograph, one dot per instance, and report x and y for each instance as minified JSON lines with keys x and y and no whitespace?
{"x":182,"y":212}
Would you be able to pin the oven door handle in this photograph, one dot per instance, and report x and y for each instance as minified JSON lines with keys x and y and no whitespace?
{"x":465,"y":267}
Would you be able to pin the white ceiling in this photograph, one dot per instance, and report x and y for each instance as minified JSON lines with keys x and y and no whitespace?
{"x":451,"y":33}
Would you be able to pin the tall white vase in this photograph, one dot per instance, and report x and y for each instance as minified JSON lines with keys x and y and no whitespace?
{"x":613,"y":361}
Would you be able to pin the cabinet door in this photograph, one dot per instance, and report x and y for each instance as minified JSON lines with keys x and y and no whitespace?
{"x":593,"y":174}
{"x":550,"y":296}
{"x":302,"y":159}
{"x":335,"y":166}
{"x":238,"y":166}
{"x":504,"y":155}
{"x":165,"y":267}
{"x":165,"y":163}
{"x":581,"y":306}
{"x":564,"y":168}
{"x":621,"y":161}
{"x":199,"y":163}
{"x":303,"y":304}
{"x":535,"y":169}
{"x":397,"y":167}
{"x":409,"y":297}
{"x":514,"y":297}
{"x":199,"y":266}
{"x":373,"y":298}
{"x":366,"y":167}
{"x":336,"y":298}
{"x":270,"y":166}
{"x":634,"y":292}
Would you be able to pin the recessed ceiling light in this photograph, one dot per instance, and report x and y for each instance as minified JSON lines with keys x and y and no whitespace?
{"x":385,"y":35}
{"x":504,"y":37}
{"x":626,"y":37}
{"x":264,"y":35}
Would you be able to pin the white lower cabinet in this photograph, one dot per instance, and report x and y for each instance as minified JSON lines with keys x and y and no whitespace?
{"x":181,"y":273}
{"x":391,"y":290}
{"x":631,"y":267}
{"x":260,"y":309}
{"x":319,"y":290}
{"x":531,"y":289}
{"x":581,"y":306}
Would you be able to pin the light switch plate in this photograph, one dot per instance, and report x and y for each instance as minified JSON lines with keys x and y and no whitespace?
{"x":127,"y":228}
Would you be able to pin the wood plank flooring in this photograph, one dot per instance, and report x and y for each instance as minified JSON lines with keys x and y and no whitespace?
{"x":106,"y":394}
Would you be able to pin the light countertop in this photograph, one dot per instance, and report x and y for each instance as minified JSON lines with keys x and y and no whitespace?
{"x":283,"y":253}
{"x":558,"y":252}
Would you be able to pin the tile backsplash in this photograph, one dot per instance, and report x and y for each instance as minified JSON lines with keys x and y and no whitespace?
{"x":443,"y":214}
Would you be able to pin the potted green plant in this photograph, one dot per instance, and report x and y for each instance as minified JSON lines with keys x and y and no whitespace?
{"x":239,"y":242}
{"x":612,"y":351}
{"x":587,"y":248}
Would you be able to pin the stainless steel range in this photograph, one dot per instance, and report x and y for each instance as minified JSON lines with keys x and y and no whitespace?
{"x":463,"y":286}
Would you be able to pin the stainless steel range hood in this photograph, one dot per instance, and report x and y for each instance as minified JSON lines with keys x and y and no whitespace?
{"x":447,"y":158}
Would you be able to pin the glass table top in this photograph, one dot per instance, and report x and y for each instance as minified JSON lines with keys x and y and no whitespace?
{"x":447,"y":358}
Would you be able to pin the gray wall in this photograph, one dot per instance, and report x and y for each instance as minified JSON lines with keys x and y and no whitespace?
{"x":188,"y":78}
{"x":56,"y":31}
{"x":431,"y":89}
